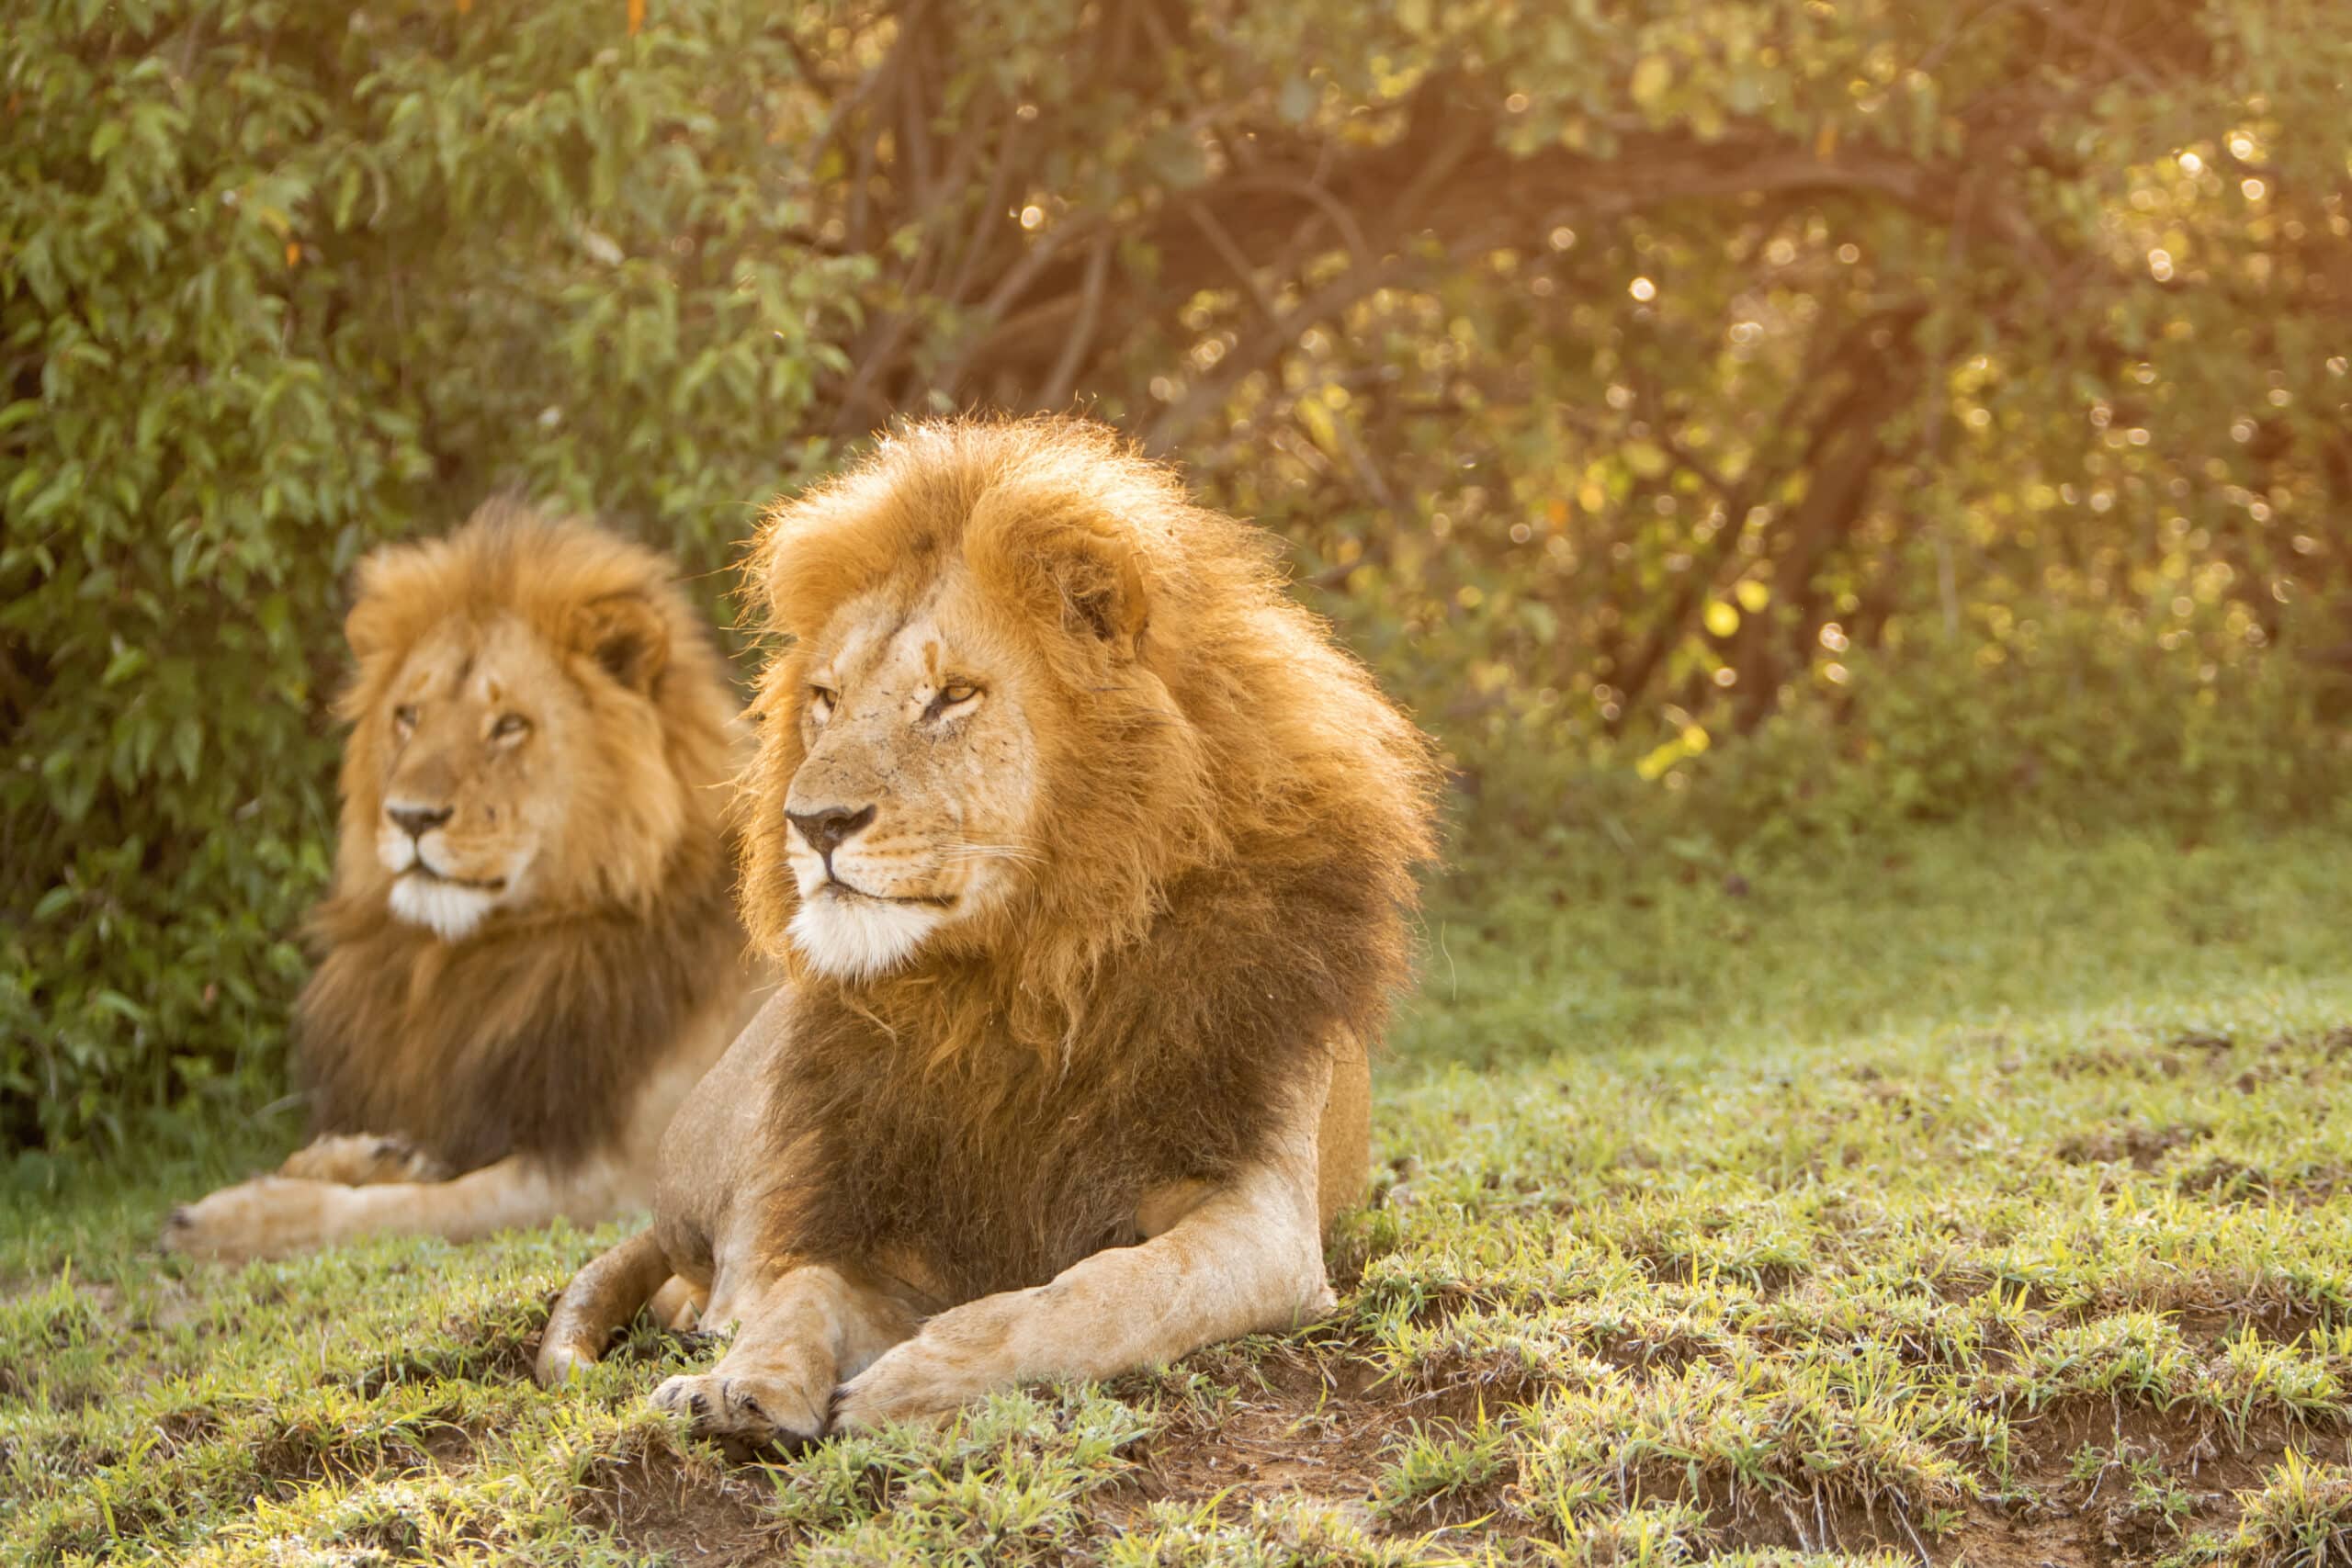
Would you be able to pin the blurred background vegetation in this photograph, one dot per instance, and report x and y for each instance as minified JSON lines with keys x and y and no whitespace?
{"x":1732,"y":425}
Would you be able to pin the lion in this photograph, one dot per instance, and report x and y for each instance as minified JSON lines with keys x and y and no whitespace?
{"x":529,"y":952}
{"x":1090,"y":860}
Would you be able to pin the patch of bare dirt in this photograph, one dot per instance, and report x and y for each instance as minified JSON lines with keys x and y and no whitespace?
{"x":2230,"y":1180}
{"x":306,"y":1451}
{"x":2282,"y":1323}
{"x":187,"y":1428}
{"x":1301,"y":1427}
{"x":488,"y":1357}
{"x":2107,"y":1520}
{"x":2141,"y":1145}
{"x":678,"y":1511}
{"x":1812,"y":1525}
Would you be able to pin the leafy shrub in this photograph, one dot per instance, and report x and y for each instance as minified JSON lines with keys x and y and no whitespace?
{"x":2088,"y":733}
{"x":278,"y":282}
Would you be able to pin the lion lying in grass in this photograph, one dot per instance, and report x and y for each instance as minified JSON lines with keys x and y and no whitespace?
{"x":1090,"y":860}
{"x":530,"y":952}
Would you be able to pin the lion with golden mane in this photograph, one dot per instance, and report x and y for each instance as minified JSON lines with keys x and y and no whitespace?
{"x":1089,"y":858}
{"x":530,"y":950}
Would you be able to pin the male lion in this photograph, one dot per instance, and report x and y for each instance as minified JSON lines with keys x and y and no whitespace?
{"x":530,"y":950}
{"x":1089,"y":858}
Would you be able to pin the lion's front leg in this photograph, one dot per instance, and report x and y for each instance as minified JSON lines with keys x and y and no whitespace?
{"x":1248,"y":1257}
{"x":269,"y":1216}
{"x":272,"y":1216}
{"x":810,"y":1329}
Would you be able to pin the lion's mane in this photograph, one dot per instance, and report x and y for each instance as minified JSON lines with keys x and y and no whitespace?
{"x":1235,"y":813}
{"x":531,"y":1035}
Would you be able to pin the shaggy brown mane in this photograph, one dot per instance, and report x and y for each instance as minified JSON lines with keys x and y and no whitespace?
{"x":1236,"y":812}
{"x":530,"y":1035}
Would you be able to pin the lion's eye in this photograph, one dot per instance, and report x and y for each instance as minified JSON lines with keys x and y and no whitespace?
{"x":820,"y":703}
{"x":953,"y":695}
{"x":404,"y":716}
{"x":509,"y":726}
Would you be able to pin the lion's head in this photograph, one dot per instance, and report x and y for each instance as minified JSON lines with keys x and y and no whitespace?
{"x":1029,"y":684}
{"x":538,"y":719}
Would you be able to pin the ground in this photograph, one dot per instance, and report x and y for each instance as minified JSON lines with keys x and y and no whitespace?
{"x":1966,"y":1197}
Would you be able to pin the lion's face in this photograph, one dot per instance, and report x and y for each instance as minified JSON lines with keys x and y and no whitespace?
{"x":912,"y":809}
{"x":479,"y":776}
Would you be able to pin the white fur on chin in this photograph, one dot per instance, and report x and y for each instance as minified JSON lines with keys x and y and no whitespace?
{"x":446,"y":908}
{"x":856,"y":938}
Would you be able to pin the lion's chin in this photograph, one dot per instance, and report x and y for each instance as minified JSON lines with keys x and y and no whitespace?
{"x":450,"y":911}
{"x":851,"y":938}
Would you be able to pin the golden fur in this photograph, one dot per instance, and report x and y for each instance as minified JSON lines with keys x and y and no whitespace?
{"x":1216,"y":882}
{"x":515,"y":980}
{"x":1146,"y":840}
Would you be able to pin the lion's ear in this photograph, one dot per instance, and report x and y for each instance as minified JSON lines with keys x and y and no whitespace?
{"x":365,"y":630}
{"x":624,"y":633}
{"x":1100,"y":582}
{"x":390,"y":586}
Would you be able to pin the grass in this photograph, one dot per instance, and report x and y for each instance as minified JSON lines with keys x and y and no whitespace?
{"x":1962,"y":1198}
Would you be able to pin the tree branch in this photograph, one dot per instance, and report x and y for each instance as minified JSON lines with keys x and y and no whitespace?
{"x":1059,"y":385}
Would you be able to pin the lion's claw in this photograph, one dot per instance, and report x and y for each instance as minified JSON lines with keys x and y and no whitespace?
{"x":739,"y":1406}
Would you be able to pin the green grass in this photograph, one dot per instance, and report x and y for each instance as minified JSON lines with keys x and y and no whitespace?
{"x":1978,"y":1197}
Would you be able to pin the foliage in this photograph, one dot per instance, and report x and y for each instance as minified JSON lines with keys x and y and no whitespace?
{"x":1956,"y":392}
{"x":280,"y":282}
{"x":1895,"y":1210}
{"x":2077,"y":728}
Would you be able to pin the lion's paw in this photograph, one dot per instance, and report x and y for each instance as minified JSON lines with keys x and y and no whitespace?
{"x":359,"y":1159}
{"x":913,"y":1382}
{"x":677,"y":1306}
{"x":754,"y":1407}
{"x":266,"y":1217}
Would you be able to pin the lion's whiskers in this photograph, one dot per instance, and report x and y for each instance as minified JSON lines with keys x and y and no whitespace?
{"x":993,"y":852}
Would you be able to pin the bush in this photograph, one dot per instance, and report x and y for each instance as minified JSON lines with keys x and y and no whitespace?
{"x":2087,"y":733}
{"x":278,"y":282}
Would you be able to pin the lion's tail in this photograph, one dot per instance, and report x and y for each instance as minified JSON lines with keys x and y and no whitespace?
{"x":600,"y":1299}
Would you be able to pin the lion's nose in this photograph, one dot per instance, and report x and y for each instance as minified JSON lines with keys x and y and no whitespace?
{"x":827,"y":828}
{"x":418,"y":820}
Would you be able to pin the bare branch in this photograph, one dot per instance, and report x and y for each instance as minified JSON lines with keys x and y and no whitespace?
{"x":1010,"y":287}
{"x":2100,"y":41}
{"x":1350,"y":233}
{"x":823,"y":84}
{"x":992,"y":205}
{"x":1231,"y":254}
{"x":1059,"y":385}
